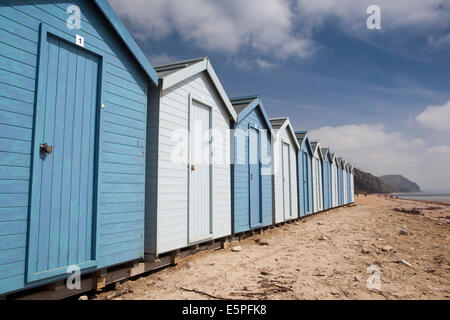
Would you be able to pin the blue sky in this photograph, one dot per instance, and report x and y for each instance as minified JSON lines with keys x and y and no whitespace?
{"x":373,"y":96}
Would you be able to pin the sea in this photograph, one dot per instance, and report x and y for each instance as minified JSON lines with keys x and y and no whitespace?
{"x":425,"y":196}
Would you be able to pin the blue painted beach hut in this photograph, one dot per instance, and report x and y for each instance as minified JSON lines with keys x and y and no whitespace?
{"x":326,"y":177}
{"x":340,"y":182}
{"x":304,"y":167}
{"x":251,"y":167}
{"x":334,"y":181}
{"x":73,"y":105}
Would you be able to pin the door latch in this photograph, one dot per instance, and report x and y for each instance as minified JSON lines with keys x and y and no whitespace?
{"x":45,"y":149}
{"x":192,"y":168}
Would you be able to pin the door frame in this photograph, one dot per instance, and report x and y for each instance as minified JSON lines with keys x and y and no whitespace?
{"x":283,"y":143}
{"x":255,"y":127}
{"x":200,"y":100}
{"x":31,"y":275}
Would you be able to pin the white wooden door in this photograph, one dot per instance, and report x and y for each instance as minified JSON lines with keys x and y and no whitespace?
{"x":314,"y":184}
{"x":286,"y":182}
{"x":200,"y":191}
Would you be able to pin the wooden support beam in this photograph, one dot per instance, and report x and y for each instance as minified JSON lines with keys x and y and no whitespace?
{"x":174,"y":259}
{"x":225,"y":244}
{"x":100,"y":283}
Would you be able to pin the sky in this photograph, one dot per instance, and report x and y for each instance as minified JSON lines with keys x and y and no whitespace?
{"x":379,"y":98}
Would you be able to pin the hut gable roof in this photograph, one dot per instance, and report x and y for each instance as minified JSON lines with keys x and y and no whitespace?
{"x":333,"y":157}
{"x":245,"y":105}
{"x":303,"y":140}
{"x":174,"y":73}
{"x":279,"y":124}
{"x":342,"y":163}
{"x":327,"y":154}
{"x":316,"y":148}
{"x":129,"y":41}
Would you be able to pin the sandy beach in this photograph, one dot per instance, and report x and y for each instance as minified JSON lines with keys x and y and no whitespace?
{"x":325,"y":256}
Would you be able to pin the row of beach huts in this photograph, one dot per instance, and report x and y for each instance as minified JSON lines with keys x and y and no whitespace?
{"x":107,"y":160}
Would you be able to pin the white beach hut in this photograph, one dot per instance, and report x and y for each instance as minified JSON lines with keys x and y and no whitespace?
{"x":352,"y":184}
{"x":285,"y":148}
{"x":345,"y":180}
{"x":188,"y":158}
{"x":334,"y":182}
{"x":317,"y":177}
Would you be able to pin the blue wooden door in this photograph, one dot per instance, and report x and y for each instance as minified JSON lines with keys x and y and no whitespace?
{"x":341,"y":187}
{"x":324,"y":184}
{"x":62,"y":203}
{"x":255,"y":178}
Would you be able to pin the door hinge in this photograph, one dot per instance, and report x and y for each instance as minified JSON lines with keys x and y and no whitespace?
{"x":102,"y":106}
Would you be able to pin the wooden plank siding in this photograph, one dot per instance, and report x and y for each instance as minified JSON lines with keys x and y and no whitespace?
{"x":167,"y":202}
{"x":240,"y":165}
{"x":122,"y":170}
{"x":305,"y":199}
{"x":284,"y":136}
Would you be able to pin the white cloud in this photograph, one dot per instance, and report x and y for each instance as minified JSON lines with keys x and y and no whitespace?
{"x":436,"y":117}
{"x":374,"y":149}
{"x":265,"y":26}
{"x":398,"y":13}
{"x":275,"y":29}
{"x":251,"y":64}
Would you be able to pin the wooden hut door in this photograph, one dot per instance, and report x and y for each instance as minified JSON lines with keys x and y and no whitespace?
{"x":255,"y":178}
{"x":286,"y":181}
{"x":200,"y":190}
{"x":62,"y":202}
{"x":305,"y":183}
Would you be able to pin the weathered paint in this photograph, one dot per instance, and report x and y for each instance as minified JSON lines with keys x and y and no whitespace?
{"x":170,"y":220}
{"x":252,"y":204}
{"x":304,"y":168}
{"x":91,"y":187}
